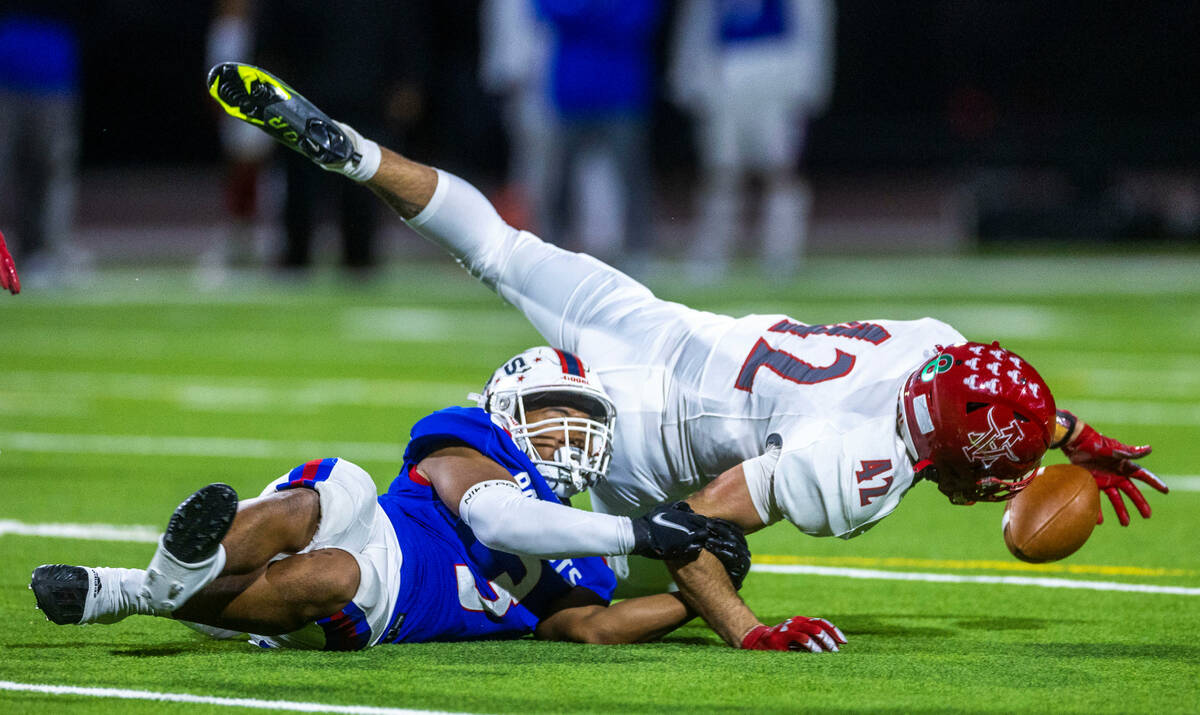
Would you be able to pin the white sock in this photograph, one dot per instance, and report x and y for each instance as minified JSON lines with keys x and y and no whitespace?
{"x":364,"y":168}
{"x":113,"y":594}
{"x":168,"y":582}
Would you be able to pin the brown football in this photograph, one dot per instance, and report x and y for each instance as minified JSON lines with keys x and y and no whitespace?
{"x":1053,"y":516}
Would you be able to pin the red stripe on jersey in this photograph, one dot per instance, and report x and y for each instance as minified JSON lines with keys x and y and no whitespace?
{"x":310,"y":469}
{"x":415,"y":476}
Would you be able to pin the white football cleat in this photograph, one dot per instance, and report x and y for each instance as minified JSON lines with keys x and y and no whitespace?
{"x":189,"y":554}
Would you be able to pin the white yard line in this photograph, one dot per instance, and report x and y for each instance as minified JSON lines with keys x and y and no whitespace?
{"x":1124,"y":412}
{"x":149,"y":534}
{"x":221,"y":447}
{"x":1182,"y":483}
{"x":956,"y":578}
{"x":89,"y":532}
{"x":277,"y":705}
{"x":233,"y":393}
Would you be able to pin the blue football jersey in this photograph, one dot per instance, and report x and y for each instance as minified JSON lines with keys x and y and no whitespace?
{"x":741,"y":21}
{"x":453,"y":587}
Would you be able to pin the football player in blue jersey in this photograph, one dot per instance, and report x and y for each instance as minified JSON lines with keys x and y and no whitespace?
{"x":472,"y":539}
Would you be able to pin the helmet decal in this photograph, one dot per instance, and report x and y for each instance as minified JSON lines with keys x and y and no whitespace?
{"x":921,"y":411}
{"x":988,"y":446}
{"x":516,"y":365}
{"x":939,"y":364}
{"x":972,"y":381}
{"x":571,"y":365}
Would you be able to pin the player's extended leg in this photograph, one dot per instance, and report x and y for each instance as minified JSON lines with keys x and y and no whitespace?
{"x":275,"y":599}
{"x":265,"y":527}
{"x":570,"y":298}
{"x":348,"y":559}
{"x":575,"y":301}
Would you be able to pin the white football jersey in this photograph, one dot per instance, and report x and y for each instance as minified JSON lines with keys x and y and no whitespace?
{"x":830,"y":392}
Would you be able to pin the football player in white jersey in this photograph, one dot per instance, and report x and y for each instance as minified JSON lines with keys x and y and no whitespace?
{"x":826,"y":426}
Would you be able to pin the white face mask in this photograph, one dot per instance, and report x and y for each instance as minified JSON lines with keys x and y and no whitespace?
{"x":577,"y":465}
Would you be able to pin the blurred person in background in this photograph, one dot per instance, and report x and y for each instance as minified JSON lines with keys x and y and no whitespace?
{"x":751,"y":73}
{"x":378,"y":43}
{"x":244,"y":148}
{"x":39,"y":131}
{"x":514,"y":54}
{"x":601,"y":90}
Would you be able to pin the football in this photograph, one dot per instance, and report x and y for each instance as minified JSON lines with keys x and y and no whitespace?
{"x":1053,"y":516}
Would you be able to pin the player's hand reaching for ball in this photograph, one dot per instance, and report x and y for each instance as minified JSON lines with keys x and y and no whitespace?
{"x":8,"y":270}
{"x":815,"y":635}
{"x":1111,"y":464}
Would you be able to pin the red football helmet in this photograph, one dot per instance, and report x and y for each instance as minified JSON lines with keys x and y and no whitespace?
{"x":977,"y":420}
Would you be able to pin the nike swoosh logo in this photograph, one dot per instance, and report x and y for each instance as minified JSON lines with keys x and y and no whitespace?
{"x":662,"y":521}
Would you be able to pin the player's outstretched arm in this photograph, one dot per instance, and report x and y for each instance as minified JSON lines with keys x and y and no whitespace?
{"x":582,"y":617}
{"x":489,"y":501}
{"x":707,"y":588}
{"x":1110,"y":462}
{"x":703,"y":582}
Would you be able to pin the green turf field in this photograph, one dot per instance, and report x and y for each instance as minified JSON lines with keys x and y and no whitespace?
{"x":119,"y":399}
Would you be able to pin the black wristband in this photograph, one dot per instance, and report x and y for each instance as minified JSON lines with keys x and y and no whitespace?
{"x":1068,"y":421}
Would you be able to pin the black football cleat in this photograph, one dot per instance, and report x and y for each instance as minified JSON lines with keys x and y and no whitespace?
{"x":189,"y":556}
{"x":256,"y":96}
{"x":200,"y":522}
{"x":61,"y":591}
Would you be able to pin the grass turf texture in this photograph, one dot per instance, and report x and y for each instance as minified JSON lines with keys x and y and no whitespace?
{"x":119,"y":399}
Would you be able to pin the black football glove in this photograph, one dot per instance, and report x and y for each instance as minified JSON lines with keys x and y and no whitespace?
{"x":727,"y":542}
{"x":670,"y":531}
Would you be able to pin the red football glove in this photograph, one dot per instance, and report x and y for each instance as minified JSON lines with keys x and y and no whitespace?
{"x":1111,"y":464}
{"x":815,"y":635}
{"x":8,"y":270}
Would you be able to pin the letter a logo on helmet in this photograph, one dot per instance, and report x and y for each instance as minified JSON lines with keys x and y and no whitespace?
{"x":987,"y":447}
{"x":976,"y":420}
